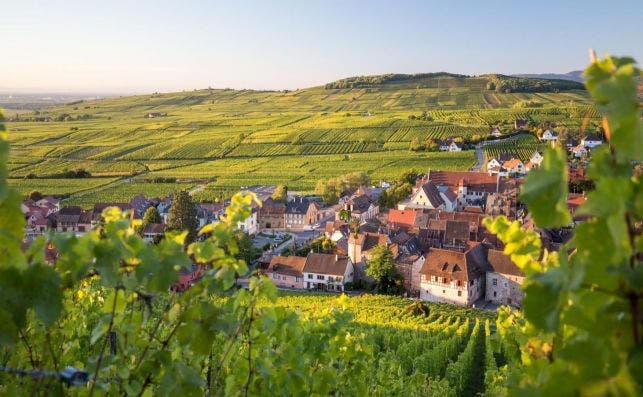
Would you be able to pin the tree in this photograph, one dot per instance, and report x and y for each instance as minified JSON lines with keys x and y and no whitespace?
{"x":246,"y":249}
{"x":357,"y":179}
{"x":280,"y":194}
{"x":182,"y":215}
{"x":152,"y":216}
{"x":329,"y":190}
{"x":344,"y":215}
{"x":35,"y":195}
{"x":415,"y":145}
{"x":431,"y":145}
{"x":381,"y":267}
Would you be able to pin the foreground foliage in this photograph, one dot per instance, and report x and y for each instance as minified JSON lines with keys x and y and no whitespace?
{"x":581,"y":331}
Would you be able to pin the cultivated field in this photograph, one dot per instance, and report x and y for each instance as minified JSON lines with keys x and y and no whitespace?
{"x":234,"y":138}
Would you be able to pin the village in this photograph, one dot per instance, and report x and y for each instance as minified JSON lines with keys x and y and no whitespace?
{"x":441,"y":250}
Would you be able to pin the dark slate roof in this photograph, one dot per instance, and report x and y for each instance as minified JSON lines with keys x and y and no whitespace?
{"x":298,"y":206}
{"x":360,"y":204}
{"x":433,"y":194}
{"x":457,"y":230}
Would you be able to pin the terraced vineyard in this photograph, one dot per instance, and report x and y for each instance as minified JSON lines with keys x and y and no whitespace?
{"x":436,"y":350}
{"x":235,"y":138}
{"x":522,"y":145}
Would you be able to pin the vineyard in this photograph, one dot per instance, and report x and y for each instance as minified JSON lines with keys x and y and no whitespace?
{"x":236,"y":138}
{"x":435,"y":349}
{"x":523,"y":146}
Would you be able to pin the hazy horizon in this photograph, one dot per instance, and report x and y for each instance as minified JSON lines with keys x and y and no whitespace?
{"x":117,"y":48}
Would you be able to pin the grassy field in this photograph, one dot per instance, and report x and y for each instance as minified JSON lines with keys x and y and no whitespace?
{"x":235,"y":138}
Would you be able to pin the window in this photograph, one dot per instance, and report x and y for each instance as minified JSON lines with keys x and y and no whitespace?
{"x":494,"y":281}
{"x":459,"y":293}
{"x":494,"y":294}
{"x":310,"y":276}
{"x":444,"y":291}
{"x":320,"y":277}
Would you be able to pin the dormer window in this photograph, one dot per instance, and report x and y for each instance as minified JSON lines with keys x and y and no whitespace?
{"x":445,"y":266}
{"x":456,"y":268}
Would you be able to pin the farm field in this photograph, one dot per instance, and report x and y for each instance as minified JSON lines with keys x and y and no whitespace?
{"x":234,"y":138}
{"x":443,"y":351}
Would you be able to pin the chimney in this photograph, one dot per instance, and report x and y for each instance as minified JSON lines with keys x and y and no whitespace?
{"x":336,"y":257}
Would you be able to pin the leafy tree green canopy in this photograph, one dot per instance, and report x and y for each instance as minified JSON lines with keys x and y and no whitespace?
{"x":182,"y":215}
{"x":152,"y":216}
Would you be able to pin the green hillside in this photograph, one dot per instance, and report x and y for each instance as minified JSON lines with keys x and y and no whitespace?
{"x":231,"y":138}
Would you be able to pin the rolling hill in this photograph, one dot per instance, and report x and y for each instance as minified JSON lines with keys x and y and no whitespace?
{"x":232,"y":138}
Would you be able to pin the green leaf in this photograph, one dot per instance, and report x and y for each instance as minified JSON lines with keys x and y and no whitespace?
{"x":43,"y":284}
{"x":119,"y":296}
{"x":545,"y":191}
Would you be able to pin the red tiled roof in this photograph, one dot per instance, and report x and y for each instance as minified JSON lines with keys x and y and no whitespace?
{"x":462,"y":266}
{"x":287,"y":265}
{"x":476,"y":181}
{"x":501,"y":263}
{"x":404,"y":218}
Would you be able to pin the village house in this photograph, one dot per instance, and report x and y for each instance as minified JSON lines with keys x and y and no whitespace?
{"x":514,"y":167}
{"x":249,"y":225}
{"x":153,"y":232}
{"x":449,"y":146}
{"x":579,"y":151}
{"x":591,"y":141}
{"x":534,"y":161}
{"x":272,"y":215}
{"x":336,"y":230}
{"x":503,"y":279}
{"x":402,"y":219}
{"x":549,"y":136}
{"x":73,"y":219}
{"x":521,"y":124}
{"x":187,"y":277}
{"x":361,"y":207}
{"x":360,"y":247}
{"x":287,"y":271}
{"x":470,"y":188}
{"x":327,"y":272}
{"x":431,"y":196}
{"x":408,"y":262}
{"x":302,"y":213}
{"x":496,"y":132}
{"x":453,"y":277}
{"x":51,"y":203}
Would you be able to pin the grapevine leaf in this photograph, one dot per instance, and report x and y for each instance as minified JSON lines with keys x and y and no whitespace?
{"x":545,"y":191}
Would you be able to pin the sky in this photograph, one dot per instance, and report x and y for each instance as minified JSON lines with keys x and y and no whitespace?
{"x":159,"y":46}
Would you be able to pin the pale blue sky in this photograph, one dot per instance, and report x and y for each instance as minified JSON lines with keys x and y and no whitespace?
{"x":146,"y":46}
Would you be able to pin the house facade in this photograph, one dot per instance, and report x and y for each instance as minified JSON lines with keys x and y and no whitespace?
{"x":453,"y":277}
{"x":287,"y":271}
{"x":503,"y":280}
{"x":591,"y":141}
{"x":327,"y":272}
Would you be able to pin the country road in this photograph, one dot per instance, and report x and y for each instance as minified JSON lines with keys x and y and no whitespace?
{"x":196,"y":189}
{"x":479,"y":157}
